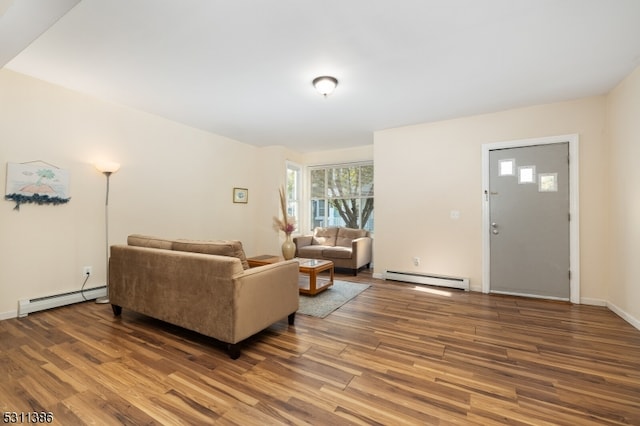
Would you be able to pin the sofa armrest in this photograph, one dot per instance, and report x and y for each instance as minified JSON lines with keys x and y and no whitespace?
{"x":303,"y":240}
{"x":264,"y":295}
{"x":361,"y":250}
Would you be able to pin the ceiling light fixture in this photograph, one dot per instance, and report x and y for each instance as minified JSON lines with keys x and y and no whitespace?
{"x":325,"y":84}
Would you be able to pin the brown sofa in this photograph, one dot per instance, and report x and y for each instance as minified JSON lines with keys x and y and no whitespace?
{"x":346,"y":247}
{"x":204,"y":286}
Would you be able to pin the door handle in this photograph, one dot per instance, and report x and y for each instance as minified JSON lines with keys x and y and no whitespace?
{"x":495,"y":232}
{"x":494,"y":225}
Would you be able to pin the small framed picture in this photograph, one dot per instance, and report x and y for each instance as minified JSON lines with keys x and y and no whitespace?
{"x":240,"y":195}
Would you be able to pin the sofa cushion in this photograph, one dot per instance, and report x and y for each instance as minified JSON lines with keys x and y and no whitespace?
{"x":231,"y":248}
{"x":311,"y":252}
{"x":347,"y":235}
{"x":325,"y":236}
{"x":337,"y":252}
{"x":150,"y":242}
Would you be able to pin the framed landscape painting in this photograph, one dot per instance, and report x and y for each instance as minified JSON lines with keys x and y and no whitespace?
{"x":39,"y":184}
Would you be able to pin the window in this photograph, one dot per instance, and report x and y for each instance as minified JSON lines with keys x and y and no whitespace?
{"x":293,"y":191}
{"x":527,"y":174}
{"x":506,"y":167}
{"x":342,"y":195}
{"x":548,"y":182}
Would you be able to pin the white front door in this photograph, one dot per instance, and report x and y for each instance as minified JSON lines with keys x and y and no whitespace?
{"x":529,"y":220}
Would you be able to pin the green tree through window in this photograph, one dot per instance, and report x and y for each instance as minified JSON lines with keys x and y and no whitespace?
{"x":342,"y":195}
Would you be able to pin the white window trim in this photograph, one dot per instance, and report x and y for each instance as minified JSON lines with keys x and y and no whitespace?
{"x":302,"y":208}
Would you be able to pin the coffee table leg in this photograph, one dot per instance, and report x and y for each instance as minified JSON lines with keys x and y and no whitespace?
{"x":312,"y":282}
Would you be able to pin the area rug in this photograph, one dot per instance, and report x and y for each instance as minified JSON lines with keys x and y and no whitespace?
{"x":322,"y":304}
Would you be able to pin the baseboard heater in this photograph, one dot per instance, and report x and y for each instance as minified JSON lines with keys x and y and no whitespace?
{"x":428,"y":279}
{"x":27,"y":306}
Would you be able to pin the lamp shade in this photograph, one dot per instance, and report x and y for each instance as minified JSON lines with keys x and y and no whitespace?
{"x":107,"y":166}
{"x":325,"y":84}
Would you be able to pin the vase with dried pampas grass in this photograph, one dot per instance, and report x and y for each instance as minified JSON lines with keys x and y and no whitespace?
{"x":287,"y":225}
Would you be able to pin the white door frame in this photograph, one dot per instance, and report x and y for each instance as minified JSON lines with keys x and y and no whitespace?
{"x":574,"y":224}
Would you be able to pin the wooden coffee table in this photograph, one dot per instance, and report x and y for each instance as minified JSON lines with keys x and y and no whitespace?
{"x":315,"y":275}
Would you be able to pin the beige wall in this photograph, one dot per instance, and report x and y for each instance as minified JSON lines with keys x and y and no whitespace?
{"x":271,"y":173}
{"x":175,"y":181}
{"x":623,"y":124}
{"x":424,"y":172}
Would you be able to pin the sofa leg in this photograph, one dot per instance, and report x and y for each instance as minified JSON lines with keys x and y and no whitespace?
{"x":291,"y":318}
{"x":117,"y":310}
{"x":234,"y":350}
{"x":355,"y":272}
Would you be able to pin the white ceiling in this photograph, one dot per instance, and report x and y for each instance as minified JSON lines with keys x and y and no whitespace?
{"x":243,"y":69}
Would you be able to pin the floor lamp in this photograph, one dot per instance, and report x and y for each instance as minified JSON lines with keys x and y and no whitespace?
{"x":106,"y":169}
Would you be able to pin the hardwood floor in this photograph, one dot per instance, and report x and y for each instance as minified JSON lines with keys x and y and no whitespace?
{"x":397,"y":354}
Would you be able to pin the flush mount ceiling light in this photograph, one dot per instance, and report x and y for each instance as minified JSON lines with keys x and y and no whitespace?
{"x":325,"y":84}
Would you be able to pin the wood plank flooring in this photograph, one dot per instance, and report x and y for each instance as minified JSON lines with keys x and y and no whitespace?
{"x":397,"y":354}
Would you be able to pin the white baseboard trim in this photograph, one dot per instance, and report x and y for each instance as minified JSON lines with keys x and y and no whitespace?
{"x":613,"y":308}
{"x":592,"y":302}
{"x":624,"y":315}
{"x":8,"y":315}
